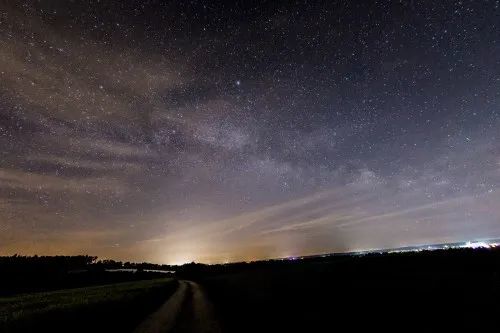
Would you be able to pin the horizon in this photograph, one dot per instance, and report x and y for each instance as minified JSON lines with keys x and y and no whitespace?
{"x":464,"y":244}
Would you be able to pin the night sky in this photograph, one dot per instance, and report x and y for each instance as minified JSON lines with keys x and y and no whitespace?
{"x":225,"y":131}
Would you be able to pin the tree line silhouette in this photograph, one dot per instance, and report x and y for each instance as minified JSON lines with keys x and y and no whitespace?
{"x":21,"y":274}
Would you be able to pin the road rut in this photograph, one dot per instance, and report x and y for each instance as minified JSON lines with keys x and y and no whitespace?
{"x":187,"y":310}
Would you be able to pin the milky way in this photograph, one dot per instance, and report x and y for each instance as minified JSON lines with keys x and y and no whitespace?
{"x":240,"y":130}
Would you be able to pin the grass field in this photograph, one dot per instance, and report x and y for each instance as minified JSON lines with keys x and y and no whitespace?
{"x":426,"y":291}
{"x":115,"y":307}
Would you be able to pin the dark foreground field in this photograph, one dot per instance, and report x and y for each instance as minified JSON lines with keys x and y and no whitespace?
{"x":430,"y":291}
{"x":108,"y":308}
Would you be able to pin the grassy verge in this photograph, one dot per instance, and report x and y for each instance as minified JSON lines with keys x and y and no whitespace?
{"x":115,"y":307}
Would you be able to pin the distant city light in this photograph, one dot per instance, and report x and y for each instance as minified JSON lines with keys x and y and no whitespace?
{"x":478,"y":245}
{"x":466,"y":245}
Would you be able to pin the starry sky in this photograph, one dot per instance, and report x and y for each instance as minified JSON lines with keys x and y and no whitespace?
{"x":218,"y":131}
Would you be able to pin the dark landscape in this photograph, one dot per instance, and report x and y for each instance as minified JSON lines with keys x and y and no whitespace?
{"x":433,"y":289}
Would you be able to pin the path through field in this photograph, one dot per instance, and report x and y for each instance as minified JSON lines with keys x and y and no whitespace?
{"x":187,"y":310}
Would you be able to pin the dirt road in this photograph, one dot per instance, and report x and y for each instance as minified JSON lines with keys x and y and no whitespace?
{"x":187,"y":310}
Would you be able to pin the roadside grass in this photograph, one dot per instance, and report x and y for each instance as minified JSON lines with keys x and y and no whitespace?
{"x":114,"y":307}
